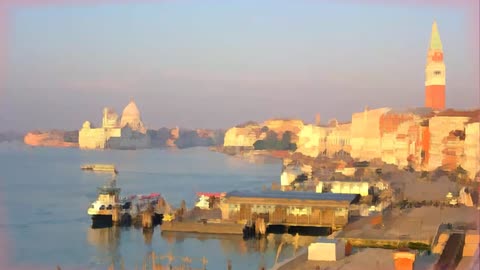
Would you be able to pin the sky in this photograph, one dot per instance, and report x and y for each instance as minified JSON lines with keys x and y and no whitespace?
{"x":215,"y":64}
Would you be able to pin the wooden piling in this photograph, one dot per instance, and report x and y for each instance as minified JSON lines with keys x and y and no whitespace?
{"x":147,"y":221}
{"x":116,"y":215}
{"x":260,"y":227}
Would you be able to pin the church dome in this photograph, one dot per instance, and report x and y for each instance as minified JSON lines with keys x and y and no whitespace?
{"x":131,"y":117}
{"x":131,"y":111}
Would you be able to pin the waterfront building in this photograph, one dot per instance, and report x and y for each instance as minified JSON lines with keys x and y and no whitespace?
{"x":435,"y":73}
{"x":129,"y":132}
{"x":290,"y":208}
{"x":422,"y":138}
{"x":366,"y":137}
{"x":472,"y":147}
{"x":344,"y":187}
{"x":96,"y":138}
{"x":311,"y":140}
{"x":447,"y":139}
{"x":244,"y":136}
{"x":338,"y":138}
{"x":402,"y":138}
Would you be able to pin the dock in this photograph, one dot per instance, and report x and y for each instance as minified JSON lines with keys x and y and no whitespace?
{"x":251,"y":214}
{"x":199,"y":227}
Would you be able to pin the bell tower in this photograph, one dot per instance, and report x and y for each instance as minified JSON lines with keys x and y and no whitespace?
{"x":435,"y":73}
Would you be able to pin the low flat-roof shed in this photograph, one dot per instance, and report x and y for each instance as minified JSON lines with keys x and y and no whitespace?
{"x":290,"y":208}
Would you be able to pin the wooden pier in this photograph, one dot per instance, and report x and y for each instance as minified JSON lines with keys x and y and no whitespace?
{"x":251,"y":213}
{"x":289,"y":208}
{"x":200,"y":227}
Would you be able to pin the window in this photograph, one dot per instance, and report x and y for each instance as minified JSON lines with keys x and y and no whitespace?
{"x":437,"y":72}
{"x":341,"y":212}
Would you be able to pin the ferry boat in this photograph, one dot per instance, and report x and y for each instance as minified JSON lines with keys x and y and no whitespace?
{"x":100,"y":168}
{"x":101,"y":210}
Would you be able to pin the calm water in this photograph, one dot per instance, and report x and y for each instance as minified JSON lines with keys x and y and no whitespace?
{"x":46,"y":196}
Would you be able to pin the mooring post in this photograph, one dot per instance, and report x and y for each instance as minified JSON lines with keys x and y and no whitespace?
{"x":116,"y":215}
{"x":147,"y":219}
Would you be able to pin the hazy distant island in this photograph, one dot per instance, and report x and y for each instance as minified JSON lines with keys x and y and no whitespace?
{"x":127,"y":132}
{"x":419,"y":139}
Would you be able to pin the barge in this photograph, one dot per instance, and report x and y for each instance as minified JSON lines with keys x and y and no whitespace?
{"x":100,"y":168}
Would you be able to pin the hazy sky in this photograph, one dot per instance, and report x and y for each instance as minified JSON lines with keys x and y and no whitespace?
{"x":215,"y":64}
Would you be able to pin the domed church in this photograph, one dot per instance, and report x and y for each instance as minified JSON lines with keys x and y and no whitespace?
{"x":128,"y":133}
{"x":131,"y":118}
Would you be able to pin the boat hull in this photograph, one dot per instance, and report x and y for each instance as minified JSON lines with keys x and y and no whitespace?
{"x":101,"y":221}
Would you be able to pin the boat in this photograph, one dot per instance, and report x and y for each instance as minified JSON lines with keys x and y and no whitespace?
{"x":100,"y":168}
{"x":101,"y":210}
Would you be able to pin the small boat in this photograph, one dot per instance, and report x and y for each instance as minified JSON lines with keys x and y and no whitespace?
{"x":100,"y":168}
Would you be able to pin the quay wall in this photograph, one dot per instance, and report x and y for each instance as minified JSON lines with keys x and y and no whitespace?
{"x":195,"y":227}
{"x":388,"y":243}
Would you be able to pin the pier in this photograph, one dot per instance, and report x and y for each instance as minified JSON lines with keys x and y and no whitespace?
{"x":254,"y":213}
{"x":298,"y":209}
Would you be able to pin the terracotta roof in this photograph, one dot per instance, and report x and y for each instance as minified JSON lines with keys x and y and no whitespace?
{"x":473,"y":114}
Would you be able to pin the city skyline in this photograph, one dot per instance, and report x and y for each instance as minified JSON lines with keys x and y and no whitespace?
{"x":238,"y":62}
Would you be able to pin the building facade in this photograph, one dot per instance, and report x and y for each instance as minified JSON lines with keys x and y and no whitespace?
{"x":128,"y":133}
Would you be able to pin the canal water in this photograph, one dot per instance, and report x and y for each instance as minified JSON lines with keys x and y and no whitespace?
{"x":45,"y":196}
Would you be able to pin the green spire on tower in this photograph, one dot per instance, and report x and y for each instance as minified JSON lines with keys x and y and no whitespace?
{"x":435,"y":42}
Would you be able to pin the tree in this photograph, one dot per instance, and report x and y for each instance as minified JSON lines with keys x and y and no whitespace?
{"x":259,"y":145}
{"x":271,"y":142}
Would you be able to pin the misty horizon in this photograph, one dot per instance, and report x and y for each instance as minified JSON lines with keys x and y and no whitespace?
{"x":216,"y":65}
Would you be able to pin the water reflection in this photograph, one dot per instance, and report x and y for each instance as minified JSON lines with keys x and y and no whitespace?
{"x":107,"y":242}
{"x":259,"y":252}
{"x":147,"y":236}
{"x":55,"y":182}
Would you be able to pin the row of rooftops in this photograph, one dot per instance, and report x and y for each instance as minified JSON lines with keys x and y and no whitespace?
{"x":423,"y":112}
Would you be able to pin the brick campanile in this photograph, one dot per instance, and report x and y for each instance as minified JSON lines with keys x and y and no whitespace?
{"x":435,"y":73}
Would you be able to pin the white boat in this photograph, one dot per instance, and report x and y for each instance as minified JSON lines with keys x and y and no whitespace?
{"x":101,"y":210}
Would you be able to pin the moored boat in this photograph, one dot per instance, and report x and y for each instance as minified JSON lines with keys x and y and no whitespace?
{"x":100,"y":168}
{"x":101,"y":210}
{"x":109,"y":204}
